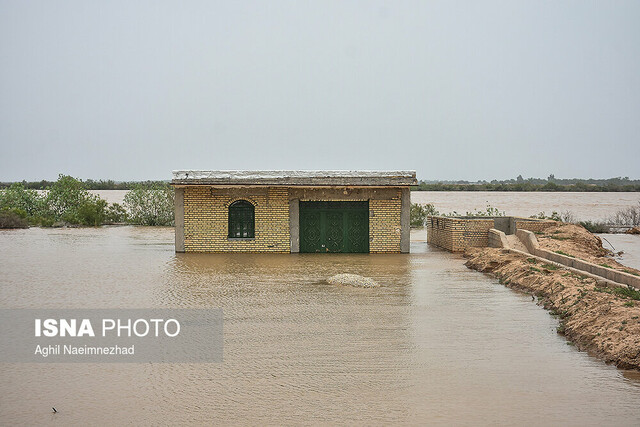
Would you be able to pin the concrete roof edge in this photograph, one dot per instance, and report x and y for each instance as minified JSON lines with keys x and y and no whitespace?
{"x":296,"y":177}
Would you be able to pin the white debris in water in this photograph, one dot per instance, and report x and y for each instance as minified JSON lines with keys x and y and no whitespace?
{"x":352,"y":280}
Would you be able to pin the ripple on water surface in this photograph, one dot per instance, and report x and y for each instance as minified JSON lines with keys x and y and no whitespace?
{"x":435,"y":343}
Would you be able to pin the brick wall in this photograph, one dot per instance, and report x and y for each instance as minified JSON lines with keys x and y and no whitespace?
{"x":384,"y":225}
{"x":457,"y":234}
{"x":206,"y":217}
{"x":206,"y":220}
{"x":440,"y":232}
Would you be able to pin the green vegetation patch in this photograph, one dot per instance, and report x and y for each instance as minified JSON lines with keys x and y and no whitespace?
{"x":419,"y":212}
{"x":13,"y":218}
{"x":68,"y":201}
{"x":627,"y":292}
{"x":595,"y":227}
{"x":564,"y":253}
{"x":559,"y":238}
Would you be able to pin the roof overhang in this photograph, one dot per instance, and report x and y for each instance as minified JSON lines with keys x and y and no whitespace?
{"x":295,"y":178}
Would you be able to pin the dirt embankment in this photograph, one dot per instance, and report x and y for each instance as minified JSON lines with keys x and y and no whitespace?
{"x":602,"y":321}
{"x":574,"y":240}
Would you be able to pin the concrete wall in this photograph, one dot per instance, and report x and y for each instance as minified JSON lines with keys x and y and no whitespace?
{"x":179,"y":219}
{"x":405,"y":221}
{"x":531,"y":242}
{"x":497,"y":239}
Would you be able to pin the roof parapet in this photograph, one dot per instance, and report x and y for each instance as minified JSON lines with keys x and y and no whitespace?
{"x":295,"y":178}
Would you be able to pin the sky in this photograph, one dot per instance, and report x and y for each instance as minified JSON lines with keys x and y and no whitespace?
{"x":131,"y":90}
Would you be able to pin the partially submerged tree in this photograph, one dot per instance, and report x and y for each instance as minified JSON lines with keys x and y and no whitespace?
{"x":150,"y":204}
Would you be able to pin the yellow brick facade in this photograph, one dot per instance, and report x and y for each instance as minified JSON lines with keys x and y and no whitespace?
{"x":458,"y":234}
{"x":384,"y":225}
{"x":206,"y":220}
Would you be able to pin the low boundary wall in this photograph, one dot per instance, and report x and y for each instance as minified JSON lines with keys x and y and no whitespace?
{"x":455,"y":234}
{"x":497,"y":239}
{"x":531,"y":242}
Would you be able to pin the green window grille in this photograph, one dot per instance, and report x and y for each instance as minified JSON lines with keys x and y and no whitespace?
{"x":241,"y":220}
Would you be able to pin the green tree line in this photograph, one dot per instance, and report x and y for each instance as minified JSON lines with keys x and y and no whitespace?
{"x":89,"y":184}
{"x":68,"y":201}
{"x":551,"y":183}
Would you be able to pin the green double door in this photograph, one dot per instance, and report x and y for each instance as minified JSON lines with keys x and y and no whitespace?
{"x":341,"y":227}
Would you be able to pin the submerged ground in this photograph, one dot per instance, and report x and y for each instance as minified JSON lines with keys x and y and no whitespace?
{"x":601,"y":319}
{"x":436,"y":342}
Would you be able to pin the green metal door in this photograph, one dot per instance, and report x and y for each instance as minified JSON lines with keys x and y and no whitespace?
{"x":334,"y":227}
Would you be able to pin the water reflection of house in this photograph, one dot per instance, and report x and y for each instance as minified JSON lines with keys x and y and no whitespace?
{"x":292,"y":211}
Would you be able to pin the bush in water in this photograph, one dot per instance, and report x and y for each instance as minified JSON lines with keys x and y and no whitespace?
{"x":150,"y":204}
{"x":419,"y":213}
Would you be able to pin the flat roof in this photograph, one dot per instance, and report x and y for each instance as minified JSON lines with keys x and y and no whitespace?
{"x":295,"y":178}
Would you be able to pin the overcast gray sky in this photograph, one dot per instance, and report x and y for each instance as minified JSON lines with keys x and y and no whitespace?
{"x":131,"y":90}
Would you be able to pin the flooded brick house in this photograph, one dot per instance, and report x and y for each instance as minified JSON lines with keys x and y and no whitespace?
{"x":292,"y":211}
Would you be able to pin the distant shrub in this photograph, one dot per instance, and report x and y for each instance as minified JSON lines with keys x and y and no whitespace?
{"x":488,"y":211}
{"x":13,"y":218}
{"x":420,"y":212}
{"x":68,"y":201}
{"x":628,"y":216}
{"x":116,"y":213}
{"x":595,"y":227}
{"x":18,"y":197}
{"x":150,"y":204}
{"x":65,"y":196}
{"x":566,"y":216}
{"x":92,"y":211}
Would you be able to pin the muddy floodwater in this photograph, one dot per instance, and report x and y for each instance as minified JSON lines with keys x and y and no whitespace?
{"x":436,"y":343}
{"x":584,"y":206}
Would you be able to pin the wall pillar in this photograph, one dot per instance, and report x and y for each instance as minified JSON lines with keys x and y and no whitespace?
{"x":405,"y":221}
{"x":294,"y":224}
{"x":179,"y":218}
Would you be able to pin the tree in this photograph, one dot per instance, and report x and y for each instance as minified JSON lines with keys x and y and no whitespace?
{"x":150,"y":204}
{"x":26,"y":200}
{"x":419,"y":213}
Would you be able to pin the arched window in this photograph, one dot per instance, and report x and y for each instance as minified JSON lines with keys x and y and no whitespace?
{"x":241,"y":220}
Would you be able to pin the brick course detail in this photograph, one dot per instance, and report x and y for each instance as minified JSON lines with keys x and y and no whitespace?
{"x":206,"y":217}
{"x":206,"y":220}
{"x":455,"y":234}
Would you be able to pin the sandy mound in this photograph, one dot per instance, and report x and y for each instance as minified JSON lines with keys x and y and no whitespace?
{"x":352,"y":280}
{"x":575,"y":241}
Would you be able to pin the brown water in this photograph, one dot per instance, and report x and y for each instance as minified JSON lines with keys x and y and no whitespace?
{"x":437,"y":343}
{"x":585,"y":206}
{"x":628,"y":244}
